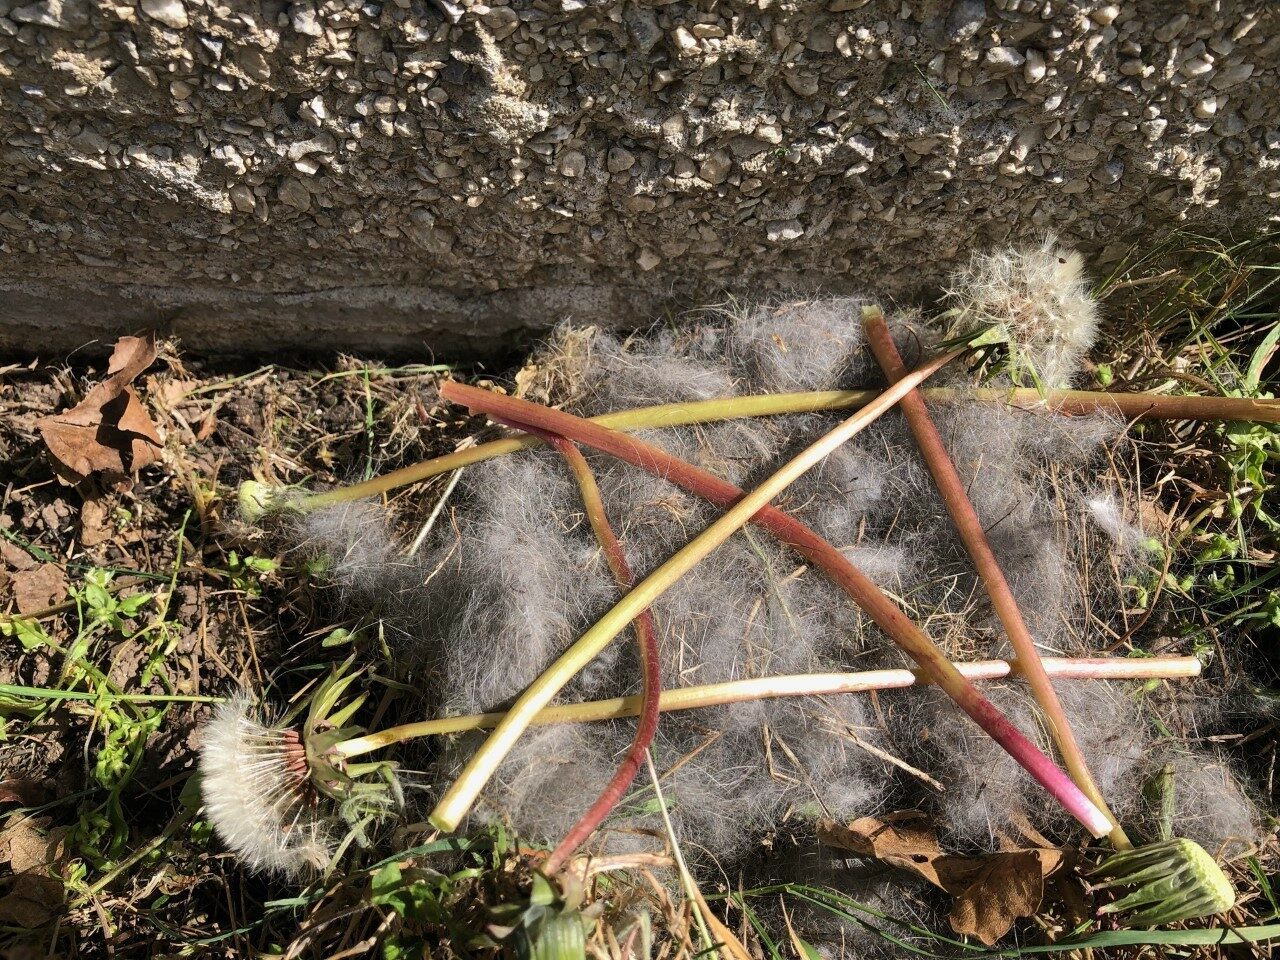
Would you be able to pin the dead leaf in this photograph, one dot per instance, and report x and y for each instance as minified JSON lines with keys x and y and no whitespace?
{"x":39,"y":588}
{"x":36,"y":895}
{"x":93,"y":523}
{"x":109,"y":432}
{"x":169,"y":392}
{"x":990,"y":892}
{"x":904,"y":839}
{"x":23,"y":792}
{"x":22,"y":845}
{"x":15,"y":557}
{"x":32,"y":901}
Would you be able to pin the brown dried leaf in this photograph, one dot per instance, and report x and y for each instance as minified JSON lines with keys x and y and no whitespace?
{"x":15,"y":558}
{"x":169,"y":392}
{"x":23,"y":792}
{"x":32,"y":901}
{"x":109,"y":432}
{"x":22,"y":846}
{"x":36,"y":895}
{"x":93,"y":523}
{"x":990,"y":892}
{"x":904,"y":839}
{"x":39,"y":588}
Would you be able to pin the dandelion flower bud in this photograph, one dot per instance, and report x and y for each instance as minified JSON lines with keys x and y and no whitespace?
{"x":254,"y":499}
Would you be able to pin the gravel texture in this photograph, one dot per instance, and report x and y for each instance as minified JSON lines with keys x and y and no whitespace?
{"x":389,"y":175}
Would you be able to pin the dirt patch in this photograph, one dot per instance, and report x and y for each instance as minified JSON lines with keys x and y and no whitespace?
{"x":145,"y":593}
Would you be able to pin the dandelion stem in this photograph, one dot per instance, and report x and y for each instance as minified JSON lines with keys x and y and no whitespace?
{"x":1128,"y":405}
{"x":458,"y":799}
{"x":951,"y":488}
{"x":764,"y":688}
{"x":650,"y":660}
{"x":809,"y":544}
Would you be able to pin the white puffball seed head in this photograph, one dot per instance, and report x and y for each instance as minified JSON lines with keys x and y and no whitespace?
{"x":254,"y":781}
{"x":1038,"y":299}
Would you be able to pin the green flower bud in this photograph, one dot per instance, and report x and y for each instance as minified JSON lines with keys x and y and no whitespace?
{"x":1174,"y":880}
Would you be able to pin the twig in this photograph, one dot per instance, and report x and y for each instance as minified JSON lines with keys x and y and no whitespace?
{"x":888,"y":757}
{"x":435,"y":513}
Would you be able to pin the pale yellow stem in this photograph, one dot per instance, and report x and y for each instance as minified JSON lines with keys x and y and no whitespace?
{"x":1130,"y":405}
{"x":763,"y":688}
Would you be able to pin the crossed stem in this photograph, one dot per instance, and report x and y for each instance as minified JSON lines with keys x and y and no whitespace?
{"x":650,"y":660}
{"x":951,"y":489}
{"x":888,"y":616}
{"x":1133,"y":406}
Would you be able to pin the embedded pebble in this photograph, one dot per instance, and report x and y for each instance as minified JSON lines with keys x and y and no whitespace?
{"x":1035,"y":69}
{"x":1172,"y":27}
{"x":56,"y":14}
{"x":242,"y":198}
{"x":782,"y":231}
{"x":1004,"y":57}
{"x":647,"y":260}
{"x":1105,"y":16}
{"x":169,"y":12}
{"x":715,"y":169}
{"x":620,"y":159}
{"x":573,"y":164}
{"x":1235,"y":74}
{"x":293,"y":193}
{"x":304,"y":20}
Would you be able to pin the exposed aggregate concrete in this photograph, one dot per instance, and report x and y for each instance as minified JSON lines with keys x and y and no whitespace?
{"x":387,"y":175}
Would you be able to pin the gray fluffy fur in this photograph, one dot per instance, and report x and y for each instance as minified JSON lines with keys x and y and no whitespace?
{"x":513,"y":576}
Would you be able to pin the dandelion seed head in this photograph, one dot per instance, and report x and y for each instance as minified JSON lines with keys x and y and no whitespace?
{"x":1038,"y":298}
{"x":255,"y":786}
